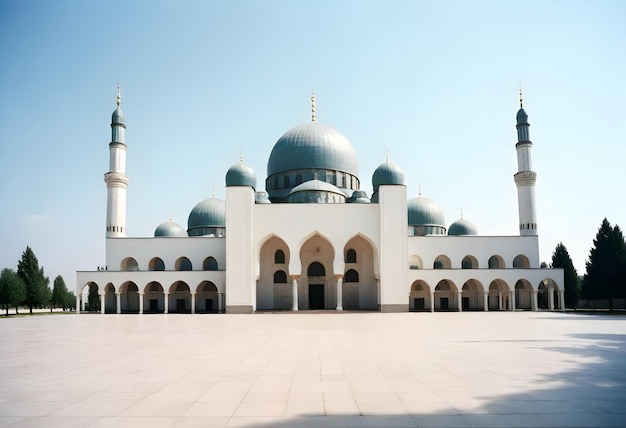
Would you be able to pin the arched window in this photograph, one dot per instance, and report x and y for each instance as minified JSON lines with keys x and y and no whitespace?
{"x":183,"y":264}
{"x":279,"y":257}
{"x":469,"y":262}
{"x":156,"y":264}
{"x":496,"y":262}
{"x":316,"y":269}
{"x":280,"y":277}
{"x":351,"y":276}
{"x":351,"y":256}
{"x":209,"y":264}
{"x":521,"y":261}
{"x":130,"y":265}
{"x":442,"y":262}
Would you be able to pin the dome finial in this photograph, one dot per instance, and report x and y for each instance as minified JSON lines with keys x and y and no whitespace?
{"x":213,"y":191}
{"x":119,"y":95}
{"x":240,"y":155}
{"x":312,"y":106}
{"x":386,"y":155}
{"x":461,"y":212}
{"x":520,"y":95}
{"x":419,"y":189}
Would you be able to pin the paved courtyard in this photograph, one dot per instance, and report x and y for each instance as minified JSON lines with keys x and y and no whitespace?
{"x":495,"y":369}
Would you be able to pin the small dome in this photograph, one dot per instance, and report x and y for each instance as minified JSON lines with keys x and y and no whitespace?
{"x":462,"y":227}
{"x":262,"y":198}
{"x":240,"y":174}
{"x":316,"y":191}
{"x":169,"y":229}
{"x":425,"y":212}
{"x":522,"y":117}
{"x":387,"y":173}
{"x":209,"y":213}
{"x":358,"y":197}
{"x":117,"y":118}
{"x":312,"y":145}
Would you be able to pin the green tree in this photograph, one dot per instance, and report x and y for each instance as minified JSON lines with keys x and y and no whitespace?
{"x":33,"y":278}
{"x":561,"y":259}
{"x":12,"y":291}
{"x":607,"y":260}
{"x":70,"y":301}
{"x":59,"y":293}
{"x":93,"y":299}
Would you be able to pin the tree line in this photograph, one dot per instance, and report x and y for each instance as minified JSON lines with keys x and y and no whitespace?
{"x":605,"y":276}
{"x":30,"y":287}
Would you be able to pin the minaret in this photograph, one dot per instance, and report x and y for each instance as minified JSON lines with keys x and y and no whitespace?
{"x":116,"y":179}
{"x":525,"y":178}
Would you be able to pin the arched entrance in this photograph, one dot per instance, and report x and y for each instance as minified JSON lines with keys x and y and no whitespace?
{"x":180,"y":298}
{"x":316,"y":274}
{"x":359,"y":289}
{"x":523,"y":295}
{"x":419,"y":297}
{"x":207,"y":298}
{"x":110,"y":301}
{"x":318,"y":287}
{"x":273,"y":288}
{"x":129,"y":298}
{"x":472,"y":298}
{"x":446,"y":296}
{"x":499,"y":298}
{"x":154,"y":298}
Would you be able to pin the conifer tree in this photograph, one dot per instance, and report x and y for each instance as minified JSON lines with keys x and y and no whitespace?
{"x":34,"y":280}
{"x":12,"y":290}
{"x":561,"y":259}
{"x":59,"y":293}
{"x":607,"y":260}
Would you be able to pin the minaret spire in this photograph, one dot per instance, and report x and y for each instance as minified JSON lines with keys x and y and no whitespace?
{"x":521,"y":103}
{"x":525,"y":177}
{"x":116,"y":179}
{"x":312,"y":106}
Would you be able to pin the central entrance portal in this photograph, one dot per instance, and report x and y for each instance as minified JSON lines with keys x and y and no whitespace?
{"x":316,"y":296}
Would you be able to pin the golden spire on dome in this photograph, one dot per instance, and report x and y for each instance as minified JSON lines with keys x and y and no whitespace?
{"x":312,"y":106}
{"x":119,"y":95}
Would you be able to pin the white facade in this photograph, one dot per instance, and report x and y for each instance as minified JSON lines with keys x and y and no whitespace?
{"x":317,"y":246}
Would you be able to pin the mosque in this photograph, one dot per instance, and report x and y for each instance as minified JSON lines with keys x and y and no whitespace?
{"x":347,"y":251}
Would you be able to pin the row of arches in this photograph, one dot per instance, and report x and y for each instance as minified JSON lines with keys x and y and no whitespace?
{"x":470,"y":262}
{"x":316,"y":285}
{"x":472,"y":295}
{"x":153,"y":297}
{"x":129,"y":264}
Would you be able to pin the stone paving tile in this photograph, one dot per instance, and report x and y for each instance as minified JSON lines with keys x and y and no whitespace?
{"x":316,"y":370}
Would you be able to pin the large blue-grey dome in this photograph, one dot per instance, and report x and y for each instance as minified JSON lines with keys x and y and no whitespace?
{"x":210,"y":213}
{"x":312,"y":145}
{"x":424,"y":212}
{"x":240,"y":174}
{"x":462,"y":227}
{"x":169,"y":229}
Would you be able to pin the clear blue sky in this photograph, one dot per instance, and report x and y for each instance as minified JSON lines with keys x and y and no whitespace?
{"x":435,"y":83}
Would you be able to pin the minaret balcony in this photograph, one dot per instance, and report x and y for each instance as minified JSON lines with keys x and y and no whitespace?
{"x":114,"y":178}
{"x":525,"y":178}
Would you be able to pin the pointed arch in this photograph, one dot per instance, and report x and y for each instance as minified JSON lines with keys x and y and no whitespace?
{"x":442,"y":262}
{"x":317,"y":292}
{"x":210,"y":264}
{"x":521,"y":262}
{"x":469,"y":262}
{"x":415,"y":262}
{"x":472,"y":295}
{"x":153,"y":298}
{"x":156,"y":264}
{"x":270,"y":294}
{"x":207,"y":297}
{"x":496,"y":262}
{"x":419,"y":296}
{"x":129,"y":264}
{"x":445,"y":296}
{"x":183,"y":264}
{"x":179,"y":297}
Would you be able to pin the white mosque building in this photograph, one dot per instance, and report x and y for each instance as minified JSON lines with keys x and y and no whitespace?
{"x":345,"y":252}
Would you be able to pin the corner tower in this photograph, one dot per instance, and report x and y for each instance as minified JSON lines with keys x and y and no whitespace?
{"x":116,"y":179}
{"x":525,"y":177}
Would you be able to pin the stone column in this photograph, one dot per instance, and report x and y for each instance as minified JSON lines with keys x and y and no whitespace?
{"x":118,"y":301}
{"x":500,"y":303}
{"x":339,"y":293}
{"x":102,"y":303}
{"x":220,"y":297}
{"x":167,"y":303}
{"x":141,"y":303}
{"x":78,"y":303}
{"x":485,"y":300}
{"x":562,"y":299}
{"x":551,"y":298}
{"x":512,"y":292}
{"x":459,"y":301}
{"x":193,"y":303}
{"x":294,"y":289}
{"x":432,"y":301}
{"x":534,"y":302}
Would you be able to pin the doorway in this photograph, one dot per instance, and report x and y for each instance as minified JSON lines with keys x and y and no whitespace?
{"x":316,"y":296}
